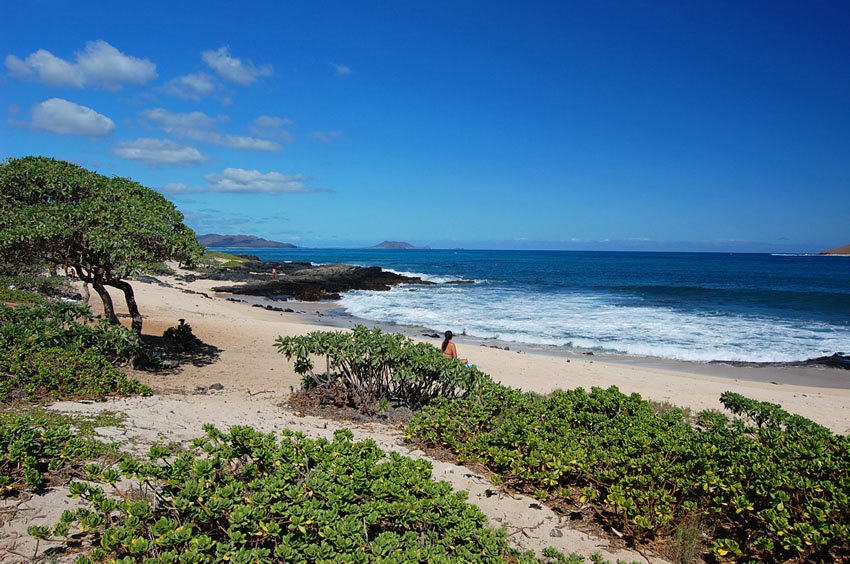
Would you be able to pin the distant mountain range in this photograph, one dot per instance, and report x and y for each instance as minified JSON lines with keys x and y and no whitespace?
{"x":245,"y":241}
{"x":845,"y":250}
{"x":396,"y":245}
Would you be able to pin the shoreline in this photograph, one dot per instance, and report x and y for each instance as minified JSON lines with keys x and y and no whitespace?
{"x":748,"y":345}
{"x":330,"y":314}
{"x":817,"y":393}
{"x":250,"y":362}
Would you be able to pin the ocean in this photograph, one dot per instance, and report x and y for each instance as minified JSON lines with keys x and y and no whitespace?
{"x":683,"y":306}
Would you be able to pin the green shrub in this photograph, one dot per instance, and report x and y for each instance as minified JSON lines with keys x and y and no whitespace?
{"x":34,"y":447}
{"x":57,"y":373}
{"x":46,"y":285}
{"x":371,"y":366}
{"x":57,"y":350}
{"x":66,"y":325}
{"x":181,"y":338}
{"x":31,"y":289}
{"x":244,"y":496}
{"x":14,"y":296}
{"x":778,"y":490}
{"x":162,"y":269}
{"x":213,"y":260}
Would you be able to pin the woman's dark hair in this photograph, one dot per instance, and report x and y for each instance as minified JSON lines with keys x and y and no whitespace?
{"x":447,"y":339}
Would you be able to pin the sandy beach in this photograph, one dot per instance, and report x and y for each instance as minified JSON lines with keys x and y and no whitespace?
{"x":255,"y":381}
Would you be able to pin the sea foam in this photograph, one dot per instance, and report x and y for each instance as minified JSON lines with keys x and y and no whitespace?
{"x":599,"y":322}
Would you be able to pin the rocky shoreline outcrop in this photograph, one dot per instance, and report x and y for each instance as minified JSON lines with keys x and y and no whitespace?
{"x":308,"y":282}
{"x":837,"y":360}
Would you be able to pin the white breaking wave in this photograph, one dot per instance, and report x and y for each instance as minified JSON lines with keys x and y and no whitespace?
{"x":600,"y":322}
{"x":436,"y":278}
{"x":795,"y":254}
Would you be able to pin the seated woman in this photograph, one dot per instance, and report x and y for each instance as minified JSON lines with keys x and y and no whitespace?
{"x":449,"y":348}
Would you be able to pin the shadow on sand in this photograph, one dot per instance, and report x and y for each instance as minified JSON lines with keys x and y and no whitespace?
{"x":171,"y":356}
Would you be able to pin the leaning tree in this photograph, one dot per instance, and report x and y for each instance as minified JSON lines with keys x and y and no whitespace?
{"x":108,"y":229}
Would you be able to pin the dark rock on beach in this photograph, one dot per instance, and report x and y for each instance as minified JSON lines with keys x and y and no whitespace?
{"x":272,"y":308}
{"x":837,"y":360}
{"x":306,"y":282}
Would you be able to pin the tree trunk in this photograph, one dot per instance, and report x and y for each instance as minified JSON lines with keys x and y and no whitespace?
{"x":85,"y":279}
{"x":108,"y":308}
{"x":132,"y":307}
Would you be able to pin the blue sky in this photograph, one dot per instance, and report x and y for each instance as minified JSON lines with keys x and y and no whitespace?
{"x":575,"y":125}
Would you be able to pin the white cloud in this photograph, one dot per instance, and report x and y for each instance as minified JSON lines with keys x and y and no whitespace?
{"x":232,"y":69}
{"x":271,"y":127}
{"x":191,"y":86}
{"x":99,"y":65}
{"x":43,"y":66}
{"x":194,"y":125}
{"x":159,"y":152}
{"x":341,"y":70}
{"x":61,"y":116}
{"x":327,"y":136}
{"x":198,"y":126}
{"x":272,"y":122}
{"x":240,"y":180}
{"x":244,"y":142}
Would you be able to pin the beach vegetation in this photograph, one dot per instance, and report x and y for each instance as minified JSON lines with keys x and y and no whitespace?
{"x":763,"y":484}
{"x":162,"y":269}
{"x":218,"y":259}
{"x":66,"y":325}
{"x":13,"y":295}
{"x":31,"y":288}
{"x":181,"y":338}
{"x":367,"y":366}
{"x":58,"y":350}
{"x":106,"y":228}
{"x":38,"y":447}
{"x":245,"y":496}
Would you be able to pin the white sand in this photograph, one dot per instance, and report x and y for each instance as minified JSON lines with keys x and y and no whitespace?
{"x":256,"y":379}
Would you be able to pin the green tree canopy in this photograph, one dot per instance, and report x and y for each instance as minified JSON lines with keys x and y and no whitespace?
{"x":106,"y":228}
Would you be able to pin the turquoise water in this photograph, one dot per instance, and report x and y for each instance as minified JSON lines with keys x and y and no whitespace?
{"x":687,"y":306}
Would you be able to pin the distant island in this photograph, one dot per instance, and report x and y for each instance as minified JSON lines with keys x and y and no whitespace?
{"x":843,"y":250}
{"x":397,"y":245}
{"x":245,"y":241}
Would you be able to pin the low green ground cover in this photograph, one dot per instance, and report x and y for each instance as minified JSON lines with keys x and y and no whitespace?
{"x":12,"y":294}
{"x":39,"y":447}
{"x":246,"y":496}
{"x":58,"y":350}
{"x":218,"y":259}
{"x":31,"y":288}
{"x":765,"y":485}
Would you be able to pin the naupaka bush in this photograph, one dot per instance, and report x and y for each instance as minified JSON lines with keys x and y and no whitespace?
{"x":372,"y":366}
{"x":58,"y":350}
{"x":246,"y":496}
{"x":771,"y":485}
